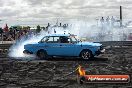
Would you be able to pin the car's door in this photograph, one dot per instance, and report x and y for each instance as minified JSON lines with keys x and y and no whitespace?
{"x":52,"y":45}
{"x":67,"y":47}
{"x":56,"y":47}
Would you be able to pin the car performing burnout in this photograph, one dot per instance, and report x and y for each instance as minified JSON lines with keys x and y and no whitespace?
{"x":63,"y":45}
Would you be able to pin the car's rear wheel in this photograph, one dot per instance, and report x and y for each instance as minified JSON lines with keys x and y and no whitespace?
{"x":86,"y":54}
{"x":41,"y":54}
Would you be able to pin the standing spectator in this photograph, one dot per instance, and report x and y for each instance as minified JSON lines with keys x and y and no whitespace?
{"x":113,"y":21}
{"x":108,"y":21}
{"x":1,"y":30}
{"x":38,"y":29}
{"x":1,"y":35}
{"x":102,"y":20}
{"x":6,"y":28}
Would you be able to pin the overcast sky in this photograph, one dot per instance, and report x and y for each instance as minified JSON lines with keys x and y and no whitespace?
{"x":43,"y":11}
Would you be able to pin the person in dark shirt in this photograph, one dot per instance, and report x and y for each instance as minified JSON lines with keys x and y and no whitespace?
{"x":1,"y":30}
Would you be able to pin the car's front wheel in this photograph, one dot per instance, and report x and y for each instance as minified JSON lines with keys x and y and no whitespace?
{"x":86,"y":54}
{"x":41,"y":54}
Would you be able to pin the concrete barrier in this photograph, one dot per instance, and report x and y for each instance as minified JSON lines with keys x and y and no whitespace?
{"x":7,"y":42}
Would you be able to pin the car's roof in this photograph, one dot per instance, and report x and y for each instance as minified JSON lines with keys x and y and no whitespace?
{"x":58,"y":35}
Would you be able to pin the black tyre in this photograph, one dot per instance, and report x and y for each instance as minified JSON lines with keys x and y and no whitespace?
{"x":86,"y":54}
{"x":41,"y":54}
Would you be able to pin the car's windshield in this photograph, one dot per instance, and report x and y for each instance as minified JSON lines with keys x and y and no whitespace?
{"x":73,"y":39}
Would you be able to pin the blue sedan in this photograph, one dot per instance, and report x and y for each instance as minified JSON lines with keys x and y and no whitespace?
{"x":64,"y":45}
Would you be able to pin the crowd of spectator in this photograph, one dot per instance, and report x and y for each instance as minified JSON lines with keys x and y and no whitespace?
{"x":14,"y":33}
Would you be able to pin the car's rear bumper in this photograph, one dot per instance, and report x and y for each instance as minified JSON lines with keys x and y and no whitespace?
{"x":27,"y":52}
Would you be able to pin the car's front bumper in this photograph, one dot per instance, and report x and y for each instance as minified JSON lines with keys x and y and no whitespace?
{"x":100,"y":51}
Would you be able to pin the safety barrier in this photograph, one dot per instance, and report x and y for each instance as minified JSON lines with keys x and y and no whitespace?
{"x":117,"y":43}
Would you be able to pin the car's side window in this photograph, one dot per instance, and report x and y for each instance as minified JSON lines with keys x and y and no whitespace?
{"x":53,"y":39}
{"x":56,"y":39}
{"x":49,"y":40}
{"x":64,"y":39}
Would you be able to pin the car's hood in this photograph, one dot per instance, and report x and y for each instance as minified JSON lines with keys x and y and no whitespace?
{"x":89,"y":43}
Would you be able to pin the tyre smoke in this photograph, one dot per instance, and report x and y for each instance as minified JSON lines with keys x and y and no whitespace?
{"x":83,"y":29}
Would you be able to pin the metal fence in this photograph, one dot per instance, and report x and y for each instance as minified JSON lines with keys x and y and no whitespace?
{"x":7,"y":42}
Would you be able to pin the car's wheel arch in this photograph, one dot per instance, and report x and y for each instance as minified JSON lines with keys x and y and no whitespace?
{"x":41,"y":50}
{"x":41,"y":54}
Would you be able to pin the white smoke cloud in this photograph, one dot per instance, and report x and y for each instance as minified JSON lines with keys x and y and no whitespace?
{"x":17,"y":49}
{"x":80,"y":28}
